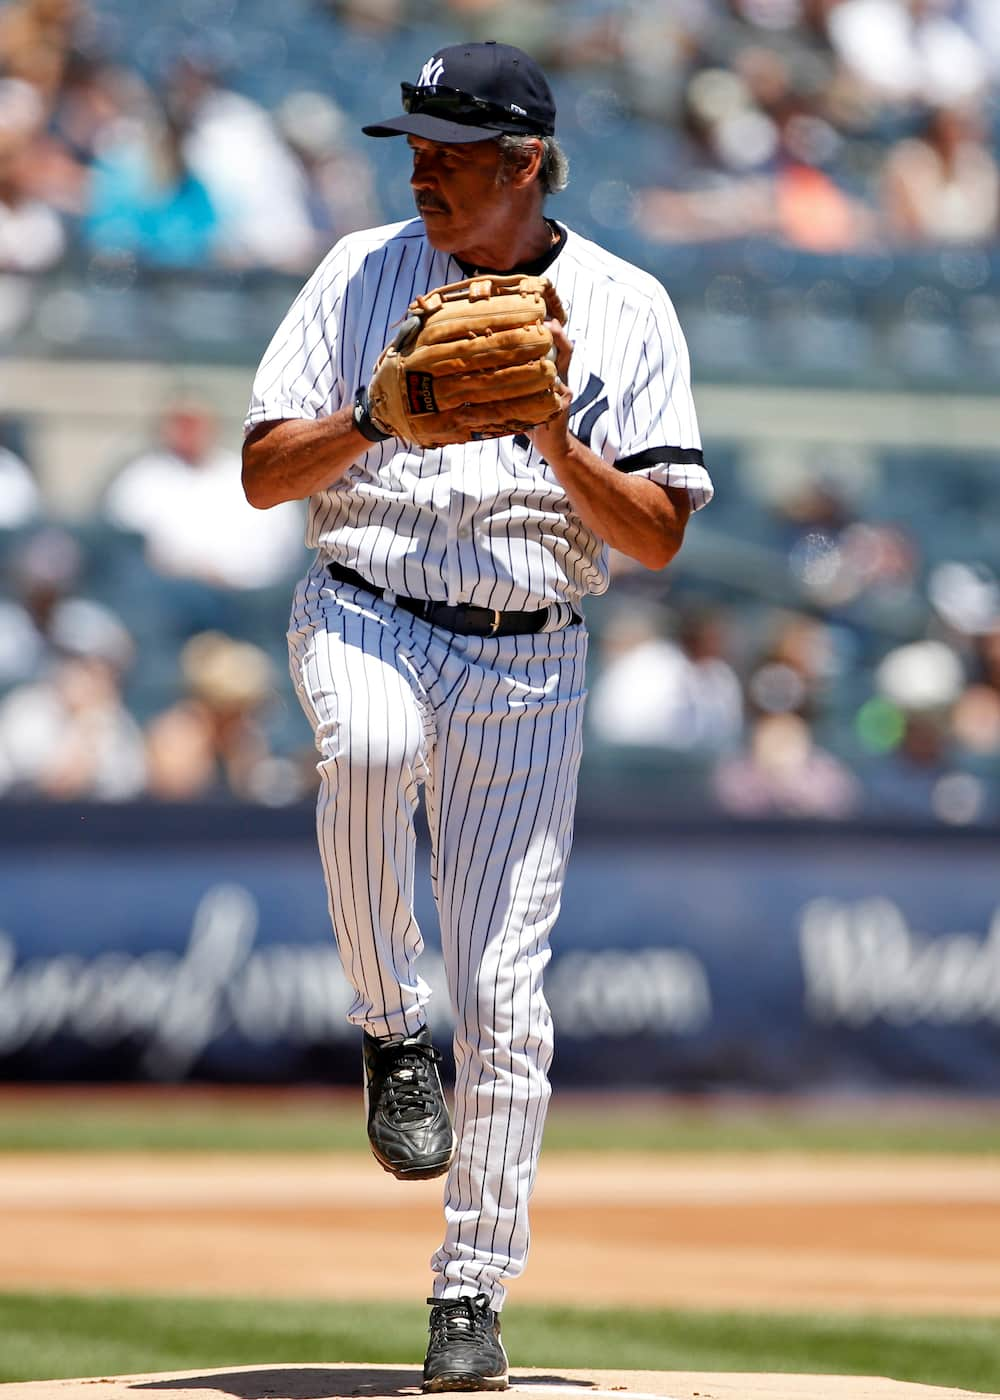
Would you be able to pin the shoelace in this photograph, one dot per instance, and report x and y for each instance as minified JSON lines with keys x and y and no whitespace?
{"x":408,"y":1094}
{"x":459,"y":1319}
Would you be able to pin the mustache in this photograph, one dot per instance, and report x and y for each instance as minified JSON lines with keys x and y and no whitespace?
{"x":428,"y":201}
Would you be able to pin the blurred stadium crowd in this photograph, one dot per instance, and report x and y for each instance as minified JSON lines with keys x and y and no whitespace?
{"x":222,"y":131}
{"x":828,"y":645}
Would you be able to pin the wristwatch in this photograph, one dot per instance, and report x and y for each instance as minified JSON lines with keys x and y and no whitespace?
{"x":362,"y":418}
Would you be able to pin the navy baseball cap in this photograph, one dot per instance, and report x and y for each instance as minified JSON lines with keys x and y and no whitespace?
{"x":472,"y":92}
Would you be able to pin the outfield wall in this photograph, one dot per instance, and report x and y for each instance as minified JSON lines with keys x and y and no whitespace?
{"x":178,"y":943}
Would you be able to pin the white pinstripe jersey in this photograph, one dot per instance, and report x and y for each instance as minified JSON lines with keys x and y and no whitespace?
{"x":487,"y":522}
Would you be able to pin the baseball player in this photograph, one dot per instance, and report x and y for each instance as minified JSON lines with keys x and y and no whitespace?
{"x":437,"y":639}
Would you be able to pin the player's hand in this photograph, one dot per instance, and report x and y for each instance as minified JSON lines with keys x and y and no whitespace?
{"x":552,"y":439}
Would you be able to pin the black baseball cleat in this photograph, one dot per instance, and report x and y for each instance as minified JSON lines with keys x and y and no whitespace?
{"x":465,"y":1351}
{"x":408,"y":1124}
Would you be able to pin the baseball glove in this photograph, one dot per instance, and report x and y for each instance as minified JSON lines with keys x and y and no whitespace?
{"x":481,"y":346}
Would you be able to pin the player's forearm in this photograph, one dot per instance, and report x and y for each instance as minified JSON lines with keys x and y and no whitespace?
{"x":291,"y":459}
{"x":631,"y":513}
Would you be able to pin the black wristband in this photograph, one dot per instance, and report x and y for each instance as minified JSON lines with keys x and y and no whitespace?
{"x":362,"y":418}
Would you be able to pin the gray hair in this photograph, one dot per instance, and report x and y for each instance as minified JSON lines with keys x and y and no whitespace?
{"x":553,"y":175}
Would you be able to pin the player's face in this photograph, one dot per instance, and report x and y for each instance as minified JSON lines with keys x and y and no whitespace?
{"x":459,"y":196}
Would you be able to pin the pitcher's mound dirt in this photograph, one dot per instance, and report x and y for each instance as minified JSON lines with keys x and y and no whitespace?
{"x":390,"y":1383}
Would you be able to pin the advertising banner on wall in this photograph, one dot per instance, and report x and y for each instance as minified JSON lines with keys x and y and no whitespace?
{"x":717,"y":958}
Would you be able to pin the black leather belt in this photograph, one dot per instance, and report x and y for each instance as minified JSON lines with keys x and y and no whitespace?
{"x":456,"y":617}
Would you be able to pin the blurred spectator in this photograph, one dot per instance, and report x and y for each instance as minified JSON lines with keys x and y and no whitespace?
{"x":923,"y":677}
{"x":965,"y":596}
{"x":810,"y":505}
{"x":340,"y":182}
{"x":908,"y":51}
{"x":36,"y":37}
{"x":975,"y":717}
{"x":95,"y":93}
{"x":761,"y":164}
{"x":212,"y":741}
{"x":648,"y":51}
{"x":987,"y":669}
{"x":675,"y":694}
{"x":100,"y":111}
{"x":20,"y":498}
{"x":68,"y":735}
{"x":975,"y":721}
{"x":919,"y":776}
{"x":794,"y":670}
{"x":32,"y":238}
{"x":183,"y":495}
{"x":838,"y":553}
{"x":45,"y":615}
{"x":920,"y":779}
{"x":984,"y":26}
{"x":943,"y":185}
{"x":145,"y":200}
{"x":783,"y":770}
{"x":254,"y":182}
{"x":784,"y":773}
{"x":798,"y":205}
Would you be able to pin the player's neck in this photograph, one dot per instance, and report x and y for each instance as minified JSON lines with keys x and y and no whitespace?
{"x":531,"y":245}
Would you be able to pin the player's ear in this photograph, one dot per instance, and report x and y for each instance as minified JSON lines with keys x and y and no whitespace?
{"x":526,"y":163}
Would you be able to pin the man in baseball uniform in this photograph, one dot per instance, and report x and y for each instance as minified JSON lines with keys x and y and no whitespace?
{"x":437,"y":641}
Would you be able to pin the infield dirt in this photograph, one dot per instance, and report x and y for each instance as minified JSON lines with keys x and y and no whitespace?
{"x":918,"y":1235}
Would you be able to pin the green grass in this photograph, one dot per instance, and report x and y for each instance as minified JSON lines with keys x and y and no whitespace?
{"x":44,"y":1336}
{"x":245,"y":1121}
{"x":177,"y":1123}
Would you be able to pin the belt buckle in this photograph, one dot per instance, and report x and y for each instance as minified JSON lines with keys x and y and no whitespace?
{"x":495,"y":625}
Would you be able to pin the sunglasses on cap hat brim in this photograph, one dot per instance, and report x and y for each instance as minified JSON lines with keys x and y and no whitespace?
{"x":446,"y":114}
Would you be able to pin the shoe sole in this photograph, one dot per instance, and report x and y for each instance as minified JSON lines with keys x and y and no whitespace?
{"x":427,"y":1171}
{"x":424,"y":1173}
{"x":465,"y":1381}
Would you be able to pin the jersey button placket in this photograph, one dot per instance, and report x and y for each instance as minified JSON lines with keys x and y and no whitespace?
{"x":461,"y":569}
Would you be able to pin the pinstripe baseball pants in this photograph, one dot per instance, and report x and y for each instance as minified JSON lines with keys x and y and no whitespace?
{"x":492,"y":729}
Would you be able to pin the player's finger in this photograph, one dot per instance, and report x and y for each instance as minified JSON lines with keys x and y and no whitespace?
{"x":563,"y":347}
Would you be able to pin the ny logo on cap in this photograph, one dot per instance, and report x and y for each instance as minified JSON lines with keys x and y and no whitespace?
{"x":431,"y":73}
